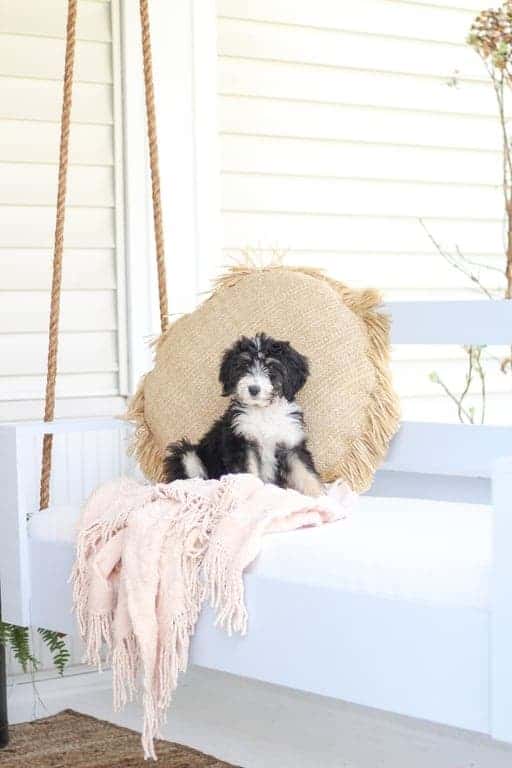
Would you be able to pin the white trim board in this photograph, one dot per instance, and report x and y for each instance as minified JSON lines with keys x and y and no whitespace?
{"x":184,"y":68}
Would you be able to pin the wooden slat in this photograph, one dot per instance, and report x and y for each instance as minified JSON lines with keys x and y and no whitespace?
{"x":397,"y":19}
{"x":33,"y":227}
{"x":296,"y":119}
{"x":84,"y":269}
{"x":25,"y":354}
{"x":27,"y":311}
{"x":87,"y":384}
{"x":450,"y":322}
{"x":356,"y":233}
{"x":36,"y":184}
{"x":72,"y":425}
{"x":26,"y":17}
{"x":346,"y":49}
{"x":25,"y":99}
{"x":293,"y":194}
{"x":347,"y":85}
{"x":448,"y":449}
{"x":39,"y":57}
{"x":72,"y":407}
{"x":38,"y":142}
{"x":351,"y":160}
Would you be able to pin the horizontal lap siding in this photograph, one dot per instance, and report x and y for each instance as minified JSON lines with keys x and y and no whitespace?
{"x":346,"y":129}
{"x":31,"y":64}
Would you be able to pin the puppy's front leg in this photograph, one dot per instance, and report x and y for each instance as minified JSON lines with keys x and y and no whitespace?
{"x":301,"y":473}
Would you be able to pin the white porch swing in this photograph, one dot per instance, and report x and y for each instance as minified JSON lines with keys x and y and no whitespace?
{"x":408,"y":608}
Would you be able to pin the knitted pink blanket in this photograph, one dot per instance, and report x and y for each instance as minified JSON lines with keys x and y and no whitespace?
{"x":149,"y":556}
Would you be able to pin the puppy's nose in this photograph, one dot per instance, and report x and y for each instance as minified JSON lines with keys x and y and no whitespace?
{"x":254,"y":389}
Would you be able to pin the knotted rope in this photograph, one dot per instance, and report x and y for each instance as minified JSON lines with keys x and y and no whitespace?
{"x":56,"y":289}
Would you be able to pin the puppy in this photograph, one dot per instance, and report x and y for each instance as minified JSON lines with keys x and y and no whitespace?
{"x":262,"y":430}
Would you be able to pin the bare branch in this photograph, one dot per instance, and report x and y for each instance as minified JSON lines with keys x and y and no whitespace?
{"x":453,"y":262}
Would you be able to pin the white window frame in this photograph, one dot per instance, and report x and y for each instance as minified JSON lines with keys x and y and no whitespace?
{"x":185,"y":76}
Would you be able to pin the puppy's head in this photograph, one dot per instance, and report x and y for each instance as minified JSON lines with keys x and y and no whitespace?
{"x":257,"y":370}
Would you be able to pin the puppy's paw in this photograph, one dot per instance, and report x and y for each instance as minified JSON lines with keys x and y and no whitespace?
{"x":312,"y":486}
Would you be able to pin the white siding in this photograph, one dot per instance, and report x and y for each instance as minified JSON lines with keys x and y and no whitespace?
{"x":342,"y":126}
{"x":92,"y":346}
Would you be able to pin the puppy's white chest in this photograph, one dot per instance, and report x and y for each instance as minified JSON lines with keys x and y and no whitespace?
{"x":269,"y":427}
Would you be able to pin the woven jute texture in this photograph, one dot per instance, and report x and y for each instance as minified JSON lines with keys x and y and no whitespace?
{"x":73,"y":740}
{"x":349,"y":405}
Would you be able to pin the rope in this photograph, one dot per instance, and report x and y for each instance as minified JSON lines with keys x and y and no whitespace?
{"x":153,"y":161}
{"x":53,"y":341}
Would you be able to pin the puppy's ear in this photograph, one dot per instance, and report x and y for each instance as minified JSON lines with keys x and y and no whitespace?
{"x":297,"y":370}
{"x":228,"y":373}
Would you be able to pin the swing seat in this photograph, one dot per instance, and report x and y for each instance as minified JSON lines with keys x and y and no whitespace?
{"x":406,"y":607}
{"x":385,"y":609}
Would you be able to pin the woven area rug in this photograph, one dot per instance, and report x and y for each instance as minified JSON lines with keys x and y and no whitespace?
{"x":70,"y":739}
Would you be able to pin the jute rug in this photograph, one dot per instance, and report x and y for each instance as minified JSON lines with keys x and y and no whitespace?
{"x":72,"y":740}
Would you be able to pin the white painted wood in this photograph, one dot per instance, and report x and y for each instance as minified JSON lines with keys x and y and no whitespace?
{"x":29,"y":99}
{"x":340,"y":48}
{"x":346,"y":85}
{"x":79,"y":352}
{"x":79,"y":465}
{"x":142,"y":319}
{"x":73,"y":407}
{"x":83,"y":269}
{"x":425,"y":661}
{"x":94,"y":301}
{"x":418,"y":485}
{"x":23,"y":311}
{"x":24,"y":17}
{"x":184,"y":66}
{"x":84,"y":384}
{"x":353,"y":160}
{"x":32,"y":227}
{"x":14,"y":555}
{"x":30,"y":184}
{"x":291,"y":232}
{"x":351,"y":197}
{"x":335,"y":122}
{"x":38,"y":142}
{"x":415,"y":20}
{"x":501,"y":603}
{"x":464,"y":322}
{"x":448,"y":449}
{"x":119,"y":211}
{"x":42,"y":58}
{"x":207,"y":164}
{"x":173,"y":60}
{"x":342,"y":125}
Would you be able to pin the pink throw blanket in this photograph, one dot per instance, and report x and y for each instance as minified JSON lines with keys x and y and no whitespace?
{"x":149,"y":556}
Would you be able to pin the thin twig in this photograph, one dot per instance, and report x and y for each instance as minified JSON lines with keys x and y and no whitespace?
{"x":469,"y":379}
{"x":455,"y":400}
{"x":453,"y":262}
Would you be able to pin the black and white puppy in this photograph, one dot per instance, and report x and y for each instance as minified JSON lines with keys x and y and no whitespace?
{"x":262,"y":430}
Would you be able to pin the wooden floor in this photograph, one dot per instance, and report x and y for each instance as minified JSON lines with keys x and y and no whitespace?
{"x":255,"y":725}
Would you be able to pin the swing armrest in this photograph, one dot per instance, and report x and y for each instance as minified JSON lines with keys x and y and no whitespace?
{"x":86,"y":452}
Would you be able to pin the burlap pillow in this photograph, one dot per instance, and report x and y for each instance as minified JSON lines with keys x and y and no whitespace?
{"x":349,"y":405}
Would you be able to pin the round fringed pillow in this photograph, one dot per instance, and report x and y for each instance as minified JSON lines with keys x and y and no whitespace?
{"x":349,"y":405}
